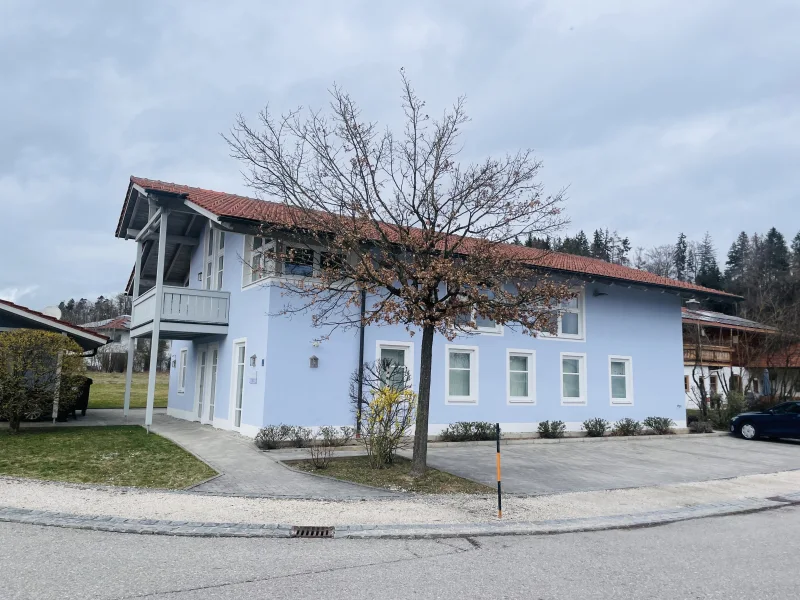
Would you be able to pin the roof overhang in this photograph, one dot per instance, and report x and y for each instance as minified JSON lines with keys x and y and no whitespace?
{"x":86,"y":339}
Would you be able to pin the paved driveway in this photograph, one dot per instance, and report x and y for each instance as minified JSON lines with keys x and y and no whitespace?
{"x":582,"y":466}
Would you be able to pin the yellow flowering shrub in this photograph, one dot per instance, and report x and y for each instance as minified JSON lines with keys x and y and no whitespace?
{"x":387,"y":416}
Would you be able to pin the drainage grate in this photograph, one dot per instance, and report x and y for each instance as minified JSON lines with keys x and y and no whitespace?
{"x":308,"y":531}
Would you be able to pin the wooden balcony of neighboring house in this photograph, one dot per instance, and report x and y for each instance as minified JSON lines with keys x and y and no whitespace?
{"x":708,"y":355}
{"x":186,"y":313}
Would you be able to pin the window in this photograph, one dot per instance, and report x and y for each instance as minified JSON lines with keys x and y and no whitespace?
{"x":736,"y":383}
{"x":570,"y":324}
{"x":573,"y":378}
{"x":209,"y":259}
{"x":521,"y":386}
{"x":182,"y":371}
{"x":686,"y":386}
{"x":755,"y":385}
{"x":220,"y":257}
{"x":620,"y":370}
{"x":714,"y":384}
{"x":397,"y":361}
{"x":482,"y":324}
{"x":259,"y":259}
{"x":461,"y":381}
{"x":298,"y":260}
{"x":213,"y":390}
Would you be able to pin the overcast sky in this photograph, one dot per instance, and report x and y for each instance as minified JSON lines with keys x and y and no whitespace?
{"x":660,"y":115}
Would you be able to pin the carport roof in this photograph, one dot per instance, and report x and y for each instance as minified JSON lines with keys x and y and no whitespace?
{"x":29,"y":318}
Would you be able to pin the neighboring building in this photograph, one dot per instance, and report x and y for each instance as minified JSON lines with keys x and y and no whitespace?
{"x":233,"y":365}
{"x":723,"y":352}
{"x":14,"y":316}
{"x":113,"y":356}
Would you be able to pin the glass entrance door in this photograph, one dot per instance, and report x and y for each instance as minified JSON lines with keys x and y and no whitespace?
{"x":201,"y":380}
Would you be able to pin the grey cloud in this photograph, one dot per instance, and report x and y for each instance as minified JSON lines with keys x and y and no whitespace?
{"x":661,"y":116}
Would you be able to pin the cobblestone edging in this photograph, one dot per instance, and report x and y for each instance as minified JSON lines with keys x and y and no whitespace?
{"x":249,"y":530}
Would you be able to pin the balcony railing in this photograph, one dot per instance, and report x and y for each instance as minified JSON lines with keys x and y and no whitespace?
{"x":182,"y":305}
{"x":709,"y":355}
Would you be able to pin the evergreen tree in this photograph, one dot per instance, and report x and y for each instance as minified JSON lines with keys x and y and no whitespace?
{"x":776,"y":256}
{"x":583,"y":244}
{"x":708,"y":273}
{"x":737,"y":263}
{"x":599,"y":247}
{"x":679,"y":258}
{"x":796,"y":256}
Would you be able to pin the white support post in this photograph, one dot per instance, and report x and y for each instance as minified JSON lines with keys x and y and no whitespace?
{"x":159,"y":302}
{"x":137,"y":276}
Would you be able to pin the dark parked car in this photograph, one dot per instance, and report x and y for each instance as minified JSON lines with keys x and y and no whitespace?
{"x":780,"y":421}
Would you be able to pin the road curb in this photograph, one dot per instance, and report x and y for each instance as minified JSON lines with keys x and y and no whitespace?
{"x":410,"y":531}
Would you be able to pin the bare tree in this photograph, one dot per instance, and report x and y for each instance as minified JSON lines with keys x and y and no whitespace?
{"x":411,"y":237}
{"x":660,"y":260}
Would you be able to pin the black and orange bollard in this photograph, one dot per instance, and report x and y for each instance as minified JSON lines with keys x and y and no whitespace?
{"x":499,"y":490}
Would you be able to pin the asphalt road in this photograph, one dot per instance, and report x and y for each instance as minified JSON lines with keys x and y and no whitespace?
{"x":746,"y":556}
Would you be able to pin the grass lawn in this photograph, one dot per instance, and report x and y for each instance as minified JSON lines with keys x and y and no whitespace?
{"x":108,"y":390}
{"x":124,"y":455}
{"x":393,"y":477}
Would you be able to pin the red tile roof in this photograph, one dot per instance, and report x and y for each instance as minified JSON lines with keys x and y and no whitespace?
{"x":56,"y":322}
{"x":241,"y":207}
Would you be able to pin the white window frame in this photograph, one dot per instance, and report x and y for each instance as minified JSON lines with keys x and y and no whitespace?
{"x":582,"y":373}
{"x":473,"y":375}
{"x":530,"y":399}
{"x":184,"y":355}
{"x":209,"y":256}
{"x":219,"y":259}
{"x":232,"y":397}
{"x":628,"y":400}
{"x":247,"y":262}
{"x":568,"y":337}
{"x":407,"y":347}
{"x":273,"y":269}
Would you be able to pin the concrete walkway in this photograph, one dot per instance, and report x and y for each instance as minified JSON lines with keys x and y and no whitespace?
{"x":247,"y":471}
{"x":616,"y":464}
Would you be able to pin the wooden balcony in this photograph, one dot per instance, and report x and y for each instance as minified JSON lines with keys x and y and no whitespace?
{"x":185,"y":313}
{"x":714,"y":356}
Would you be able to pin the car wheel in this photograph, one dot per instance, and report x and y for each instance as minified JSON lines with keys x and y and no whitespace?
{"x":748,"y":431}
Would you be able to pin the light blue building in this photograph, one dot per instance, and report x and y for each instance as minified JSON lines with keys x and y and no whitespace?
{"x":618,"y":353}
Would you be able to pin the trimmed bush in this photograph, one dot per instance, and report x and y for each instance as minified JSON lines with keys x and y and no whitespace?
{"x":300,"y":436}
{"x":273,"y":436}
{"x":469,"y":431}
{"x":659,"y":425}
{"x":595,"y":427}
{"x":552,"y":429}
{"x":627,"y":427}
{"x":701,"y":427}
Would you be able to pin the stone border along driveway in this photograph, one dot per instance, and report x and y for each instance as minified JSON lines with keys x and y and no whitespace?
{"x":210,"y":529}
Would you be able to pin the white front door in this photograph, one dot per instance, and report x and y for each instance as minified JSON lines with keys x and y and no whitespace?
{"x":237,"y":381}
{"x":200,"y":394}
{"x":213,"y":358}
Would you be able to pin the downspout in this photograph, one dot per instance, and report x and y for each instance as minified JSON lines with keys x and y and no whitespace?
{"x":360,"y":362}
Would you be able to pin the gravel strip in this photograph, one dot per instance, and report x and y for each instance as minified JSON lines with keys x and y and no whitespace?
{"x":413,"y":509}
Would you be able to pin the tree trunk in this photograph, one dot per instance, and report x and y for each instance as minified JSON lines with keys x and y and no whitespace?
{"x":420,"y":459}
